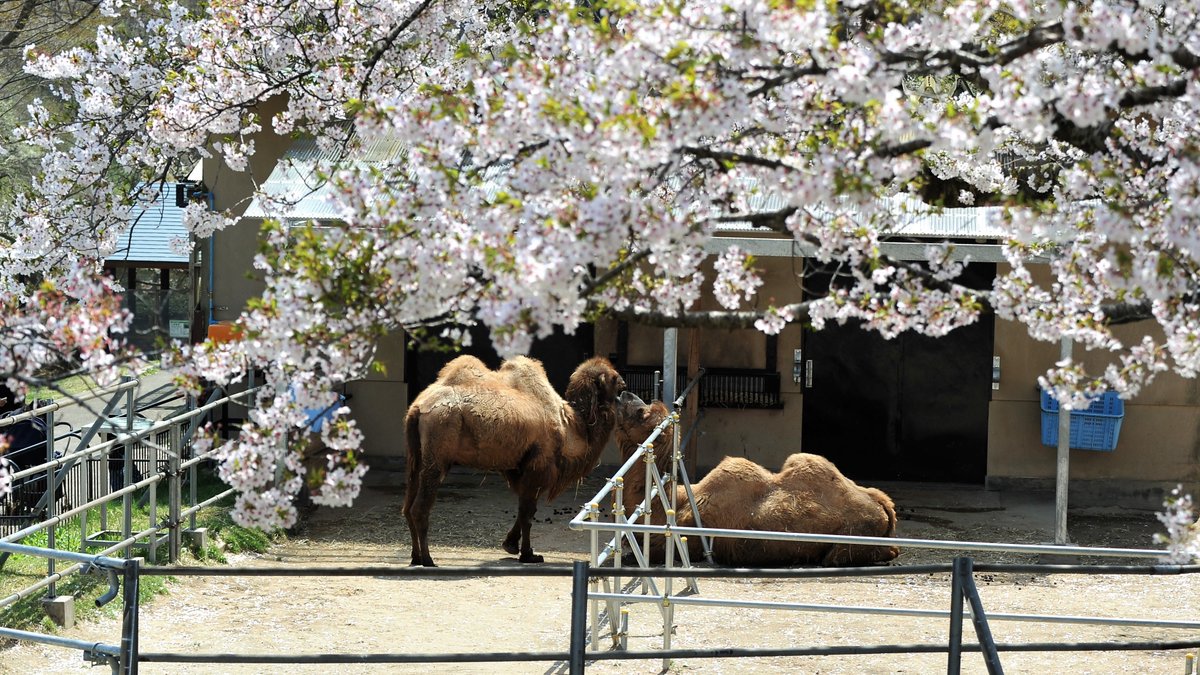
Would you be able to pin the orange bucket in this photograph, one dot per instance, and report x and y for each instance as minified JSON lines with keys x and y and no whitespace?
{"x":223,"y":331}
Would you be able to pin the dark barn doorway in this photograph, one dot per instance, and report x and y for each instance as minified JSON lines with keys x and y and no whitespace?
{"x":913,"y":408}
{"x":559,"y":353}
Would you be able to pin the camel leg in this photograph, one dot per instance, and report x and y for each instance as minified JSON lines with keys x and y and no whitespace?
{"x":410,"y":496}
{"x":846,"y":554}
{"x":526,"y":508}
{"x":418,"y":504}
{"x":512,"y":540}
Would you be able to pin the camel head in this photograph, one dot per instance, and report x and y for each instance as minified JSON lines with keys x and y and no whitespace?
{"x":595,"y":378}
{"x":635,"y":420}
{"x":593,"y":392}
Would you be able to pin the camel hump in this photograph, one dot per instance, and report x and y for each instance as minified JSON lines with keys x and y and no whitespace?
{"x":463,"y":370}
{"x":527,"y":376}
{"x":739,"y":470}
{"x":524,"y":366}
{"x":806,"y":461}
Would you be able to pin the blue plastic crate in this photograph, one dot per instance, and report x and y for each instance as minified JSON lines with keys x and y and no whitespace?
{"x":1096,"y":428}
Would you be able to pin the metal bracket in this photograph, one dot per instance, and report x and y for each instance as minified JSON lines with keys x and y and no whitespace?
{"x":98,"y":658}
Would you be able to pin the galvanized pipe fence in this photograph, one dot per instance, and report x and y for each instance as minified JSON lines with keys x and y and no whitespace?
{"x":125,"y":655}
{"x":84,"y":480}
{"x":586,"y":578}
{"x":623,"y":530}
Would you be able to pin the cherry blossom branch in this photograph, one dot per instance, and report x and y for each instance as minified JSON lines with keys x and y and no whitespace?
{"x":722,"y":158}
{"x":385,"y":45}
{"x":978,"y":56}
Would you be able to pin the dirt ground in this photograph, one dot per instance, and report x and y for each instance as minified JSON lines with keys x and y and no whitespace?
{"x":393,"y":615}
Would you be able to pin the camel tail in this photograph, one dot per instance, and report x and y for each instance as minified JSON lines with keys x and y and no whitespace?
{"x":412,"y":437}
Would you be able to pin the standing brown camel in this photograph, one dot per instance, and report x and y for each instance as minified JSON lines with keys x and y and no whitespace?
{"x":809,"y":494}
{"x":512,"y":421}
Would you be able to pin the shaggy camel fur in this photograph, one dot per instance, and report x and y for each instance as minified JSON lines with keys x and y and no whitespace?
{"x":512,"y":421}
{"x":808,"y":495}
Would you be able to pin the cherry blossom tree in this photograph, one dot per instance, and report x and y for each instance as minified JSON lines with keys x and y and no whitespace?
{"x":567,"y":160}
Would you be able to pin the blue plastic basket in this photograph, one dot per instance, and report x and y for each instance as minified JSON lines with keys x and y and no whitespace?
{"x":1096,"y":428}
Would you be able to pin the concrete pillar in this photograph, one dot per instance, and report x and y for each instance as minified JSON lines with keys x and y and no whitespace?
{"x":196,"y":538}
{"x":61,"y":610}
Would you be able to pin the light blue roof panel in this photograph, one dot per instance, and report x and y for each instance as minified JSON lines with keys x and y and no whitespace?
{"x":148,"y":239}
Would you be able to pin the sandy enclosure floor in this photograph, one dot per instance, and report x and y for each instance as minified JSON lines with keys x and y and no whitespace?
{"x":392,"y":615}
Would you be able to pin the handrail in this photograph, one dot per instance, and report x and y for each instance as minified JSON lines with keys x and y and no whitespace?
{"x":90,"y":559}
{"x":122,"y":437}
{"x":962,"y":581}
{"x":74,"y":399}
{"x":948,"y":544}
{"x":154,"y":533}
{"x":679,"y":401}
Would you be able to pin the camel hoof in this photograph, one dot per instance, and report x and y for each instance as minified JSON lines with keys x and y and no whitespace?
{"x":510,"y":547}
{"x":532,"y":558}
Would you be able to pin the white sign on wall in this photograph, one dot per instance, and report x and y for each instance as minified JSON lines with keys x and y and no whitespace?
{"x":179,"y":328}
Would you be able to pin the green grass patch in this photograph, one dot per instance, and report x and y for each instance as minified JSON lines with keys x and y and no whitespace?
{"x":75,"y":385}
{"x":21,"y":571}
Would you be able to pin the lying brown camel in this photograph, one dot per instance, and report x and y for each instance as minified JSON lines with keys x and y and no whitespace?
{"x":510,"y":420}
{"x":808,"y":495}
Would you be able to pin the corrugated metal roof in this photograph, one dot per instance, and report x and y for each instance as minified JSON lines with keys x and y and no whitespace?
{"x":148,"y":239}
{"x":912,"y":218}
{"x":294,"y":178}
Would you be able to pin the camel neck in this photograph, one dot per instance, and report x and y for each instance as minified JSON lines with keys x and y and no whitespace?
{"x":635,"y":478}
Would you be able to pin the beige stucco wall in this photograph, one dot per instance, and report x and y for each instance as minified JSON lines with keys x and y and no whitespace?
{"x":1159,"y":440}
{"x":234,"y":279}
{"x":233,"y":249}
{"x":766,"y":436}
{"x":378,"y":401}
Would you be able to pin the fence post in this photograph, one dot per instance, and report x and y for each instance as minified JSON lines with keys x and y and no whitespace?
{"x":127,"y":498}
{"x":647,"y":502}
{"x":1062,"y":471}
{"x":614,"y":606}
{"x":954,"y":661}
{"x":991,"y":657}
{"x":579,"y":594}
{"x":173,"y":492}
{"x":187,"y":440}
{"x":668,"y":606}
{"x":51,"y":590}
{"x":129,"y":617}
{"x":593,"y":585}
{"x":152,"y":544}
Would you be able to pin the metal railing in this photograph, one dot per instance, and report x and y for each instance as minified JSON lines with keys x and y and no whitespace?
{"x":83,"y":482}
{"x":743,"y":388}
{"x":624,"y":529}
{"x":125,"y":655}
{"x":606,"y":568}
